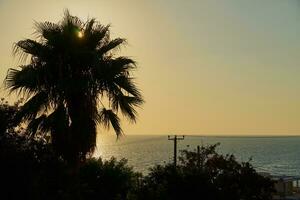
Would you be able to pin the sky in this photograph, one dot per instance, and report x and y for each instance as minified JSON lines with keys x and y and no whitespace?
{"x":210,"y":67}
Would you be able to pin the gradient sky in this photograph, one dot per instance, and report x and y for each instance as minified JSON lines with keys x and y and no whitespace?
{"x":205,"y":67}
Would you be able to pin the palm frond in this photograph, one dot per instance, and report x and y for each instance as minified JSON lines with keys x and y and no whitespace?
{"x":121,"y":65}
{"x":27,"y":47}
{"x":34,"y":124}
{"x":69,"y":21}
{"x":113,"y":44}
{"x":47,"y":30}
{"x":27,"y":80}
{"x":127,"y":84}
{"x":126,"y":104}
{"x":114,"y":73}
{"x":108,"y":118}
{"x":96,"y":35}
{"x":89,"y":26}
{"x":37,"y":103}
{"x":56,"y":122}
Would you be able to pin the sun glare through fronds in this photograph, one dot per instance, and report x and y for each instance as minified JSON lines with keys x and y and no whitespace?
{"x":80,"y":34}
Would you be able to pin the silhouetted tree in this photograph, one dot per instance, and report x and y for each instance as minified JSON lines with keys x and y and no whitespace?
{"x":109,"y":180}
{"x":72,"y":72}
{"x":7,"y":116}
{"x":207,"y":175}
{"x":29,"y":169}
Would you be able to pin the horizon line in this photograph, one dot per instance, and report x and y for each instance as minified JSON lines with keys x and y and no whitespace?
{"x":209,"y":135}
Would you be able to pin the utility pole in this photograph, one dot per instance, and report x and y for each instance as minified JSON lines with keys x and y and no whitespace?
{"x":198,"y":157}
{"x":175,"y":138}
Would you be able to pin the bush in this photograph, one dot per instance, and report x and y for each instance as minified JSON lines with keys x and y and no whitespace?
{"x":7,"y":115}
{"x":206,"y":175}
{"x":110,"y":180}
{"x":30,"y":169}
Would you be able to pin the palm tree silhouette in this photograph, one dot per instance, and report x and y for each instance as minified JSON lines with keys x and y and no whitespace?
{"x":70,"y":77}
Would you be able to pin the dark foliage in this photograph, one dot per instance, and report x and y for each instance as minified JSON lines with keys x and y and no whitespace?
{"x":29,"y":169}
{"x":207,"y":175}
{"x":7,"y":115}
{"x":110,"y":180}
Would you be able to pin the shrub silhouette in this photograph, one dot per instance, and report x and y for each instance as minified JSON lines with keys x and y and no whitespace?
{"x":207,"y":175}
{"x":110,"y":180}
{"x":29,"y":169}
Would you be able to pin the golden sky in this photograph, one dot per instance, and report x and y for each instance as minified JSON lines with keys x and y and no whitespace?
{"x":205,"y":67}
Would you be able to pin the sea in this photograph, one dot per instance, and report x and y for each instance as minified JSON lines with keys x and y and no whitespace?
{"x":274,"y":155}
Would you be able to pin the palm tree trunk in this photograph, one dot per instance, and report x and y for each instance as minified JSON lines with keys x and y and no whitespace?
{"x":82,"y":135}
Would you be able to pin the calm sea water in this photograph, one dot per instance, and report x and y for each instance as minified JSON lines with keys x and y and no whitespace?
{"x":276,"y":155}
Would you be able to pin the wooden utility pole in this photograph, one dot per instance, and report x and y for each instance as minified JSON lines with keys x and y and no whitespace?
{"x":198,"y":157}
{"x":175,"y":138}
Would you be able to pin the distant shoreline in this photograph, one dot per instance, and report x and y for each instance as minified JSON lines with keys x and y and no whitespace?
{"x":206,"y":135}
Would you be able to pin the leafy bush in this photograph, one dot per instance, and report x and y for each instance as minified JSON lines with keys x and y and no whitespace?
{"x":7,"y":115}
{"x":206,"y":175}
{"x":110,"y":179}
{"x":30,"y":169}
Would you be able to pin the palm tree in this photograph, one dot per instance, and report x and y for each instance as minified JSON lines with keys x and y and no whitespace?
{"x":71,"y":75}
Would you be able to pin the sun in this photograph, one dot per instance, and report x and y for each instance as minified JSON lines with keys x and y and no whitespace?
{"x":80,"y":34}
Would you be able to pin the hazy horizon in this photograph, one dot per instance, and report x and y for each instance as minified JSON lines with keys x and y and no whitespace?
{"x":105,"y":134}
{"x":207,"y":67}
